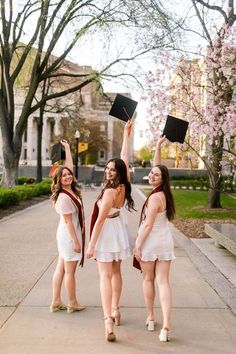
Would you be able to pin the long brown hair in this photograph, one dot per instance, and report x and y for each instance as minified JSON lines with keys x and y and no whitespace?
{"x":170,"y":204}
{"x":56,"y":183}
{"x":121,"y":178}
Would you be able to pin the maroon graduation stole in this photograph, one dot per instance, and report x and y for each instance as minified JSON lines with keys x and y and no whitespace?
{"x":93,"y":219}
{"x":136,"y":263}
{"x":81,"y":220}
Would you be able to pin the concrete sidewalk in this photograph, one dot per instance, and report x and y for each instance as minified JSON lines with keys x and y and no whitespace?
{"x":203,"y":322}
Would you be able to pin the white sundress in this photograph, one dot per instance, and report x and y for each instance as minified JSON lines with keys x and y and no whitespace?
{"x":114,"y":242}
{"x":159,"y":244}
{"x":64,"y":205}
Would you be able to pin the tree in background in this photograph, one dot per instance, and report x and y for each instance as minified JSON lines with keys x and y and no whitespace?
{"x":31,"y":32}
{"x":144,"y":155}
{"x":201,"y":90}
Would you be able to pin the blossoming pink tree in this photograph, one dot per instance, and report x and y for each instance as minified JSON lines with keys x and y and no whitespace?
{"x":201,"y":90}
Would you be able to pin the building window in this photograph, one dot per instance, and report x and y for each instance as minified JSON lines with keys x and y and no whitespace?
{"x":25,"y":135}
{"x":25,"y":154}
{"x":51,"y":130}
{"x":102,"y":155}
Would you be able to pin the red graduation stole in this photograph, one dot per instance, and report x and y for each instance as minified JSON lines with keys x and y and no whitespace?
{"x":136,"y":263}
{"x":81,"y":220}
{"x":93,"y":219}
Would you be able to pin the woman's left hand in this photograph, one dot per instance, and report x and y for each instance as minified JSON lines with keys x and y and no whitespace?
{"x":129,"y":127}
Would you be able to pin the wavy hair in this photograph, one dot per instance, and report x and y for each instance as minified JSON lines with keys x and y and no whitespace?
{"x":170,"y":204}
{"x":56,"y":186}
{"x":121,"y":178}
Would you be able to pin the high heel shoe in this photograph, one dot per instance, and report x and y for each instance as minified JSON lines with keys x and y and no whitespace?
{"x":71,"y":309}
{"x":55,"y":308}
{"x":164,"y":335}
{"x":110,"y":335}
{"x":116,"y":315}
{"x":150,"y":325}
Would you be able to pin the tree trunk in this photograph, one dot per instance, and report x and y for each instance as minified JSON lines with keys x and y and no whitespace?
{"x":10,"y":172}
{"x":214,"y":198}
{"x":39,"y":146}
{"x":215,"y":173}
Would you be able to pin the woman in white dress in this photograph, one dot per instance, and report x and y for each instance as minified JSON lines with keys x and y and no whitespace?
{"x":110,"y":241}
{"x":70,"y":233}
{"x":154,"y":247}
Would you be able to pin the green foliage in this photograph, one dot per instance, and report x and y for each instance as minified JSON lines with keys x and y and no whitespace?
{"x":144,"y":154}
{"x":191,"y":204}
{"x":13,"y":196}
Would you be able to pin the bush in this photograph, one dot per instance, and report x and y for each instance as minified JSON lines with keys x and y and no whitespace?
{"x":12,"y":196}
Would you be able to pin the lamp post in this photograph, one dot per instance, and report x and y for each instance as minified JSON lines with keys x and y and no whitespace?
{"x":77,"y":136}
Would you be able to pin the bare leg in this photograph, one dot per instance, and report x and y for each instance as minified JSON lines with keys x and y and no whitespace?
{"x":116,"y":284}
{"x":162,"y":278}
{"x":105,"y":273}
{"x":116,"y":291}
{"x":148,"y":269}
{"x":70,"y":268}
{"x":57,"y":282}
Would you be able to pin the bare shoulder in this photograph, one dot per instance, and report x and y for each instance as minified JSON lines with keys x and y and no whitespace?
{"x":109,"y":194}
{"x":157,"y":197}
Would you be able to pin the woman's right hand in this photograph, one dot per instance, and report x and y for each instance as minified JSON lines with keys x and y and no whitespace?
{"x":137,"y":253}
{"x":64,"y":143}
{"x":90,"y":251}
{"x":76,"y":247}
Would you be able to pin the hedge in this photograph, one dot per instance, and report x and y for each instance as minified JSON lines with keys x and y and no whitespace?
{"x":13,"y":196}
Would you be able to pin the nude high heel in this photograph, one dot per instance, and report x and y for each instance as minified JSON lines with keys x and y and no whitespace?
{"x":110,"y":335}
{"x":164,"y":335}
{"x":116,"y":315}
{"x":150,"y":325}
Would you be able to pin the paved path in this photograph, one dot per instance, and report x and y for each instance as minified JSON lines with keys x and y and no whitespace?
{"x":203,"y":322}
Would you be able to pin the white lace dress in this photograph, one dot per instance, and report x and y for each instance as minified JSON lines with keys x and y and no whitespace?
{"x":159,"y":244}
{"x":64,"y":205}
{"x":114,"y":242}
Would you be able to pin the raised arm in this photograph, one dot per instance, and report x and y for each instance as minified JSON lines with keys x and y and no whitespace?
{"x":124,"y":155}
{"x":157,"y":155}
{"x":69,"y":160}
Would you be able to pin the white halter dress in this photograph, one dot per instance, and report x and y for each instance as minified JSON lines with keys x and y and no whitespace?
{"x":114,"y":242}
{"x":159,"y":244}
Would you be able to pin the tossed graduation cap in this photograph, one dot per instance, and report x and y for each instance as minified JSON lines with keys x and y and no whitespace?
{"x":123,"y":107}
{"x":175,"y":129}
{"x":57,"y":153}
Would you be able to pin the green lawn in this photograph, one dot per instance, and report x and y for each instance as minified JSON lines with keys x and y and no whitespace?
{"x":190,"y":204}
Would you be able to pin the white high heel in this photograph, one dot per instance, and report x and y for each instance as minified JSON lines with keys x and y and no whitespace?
{"x":150,"y":325}
{"x":164,"y":335}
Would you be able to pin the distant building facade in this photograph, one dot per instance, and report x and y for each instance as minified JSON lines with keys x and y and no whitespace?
{"x":94,"y":107}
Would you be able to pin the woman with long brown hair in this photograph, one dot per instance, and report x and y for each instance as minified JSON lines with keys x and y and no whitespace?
{"x":154,"y":247}
{"x":110,"y":242}
{"x":68,"y":204}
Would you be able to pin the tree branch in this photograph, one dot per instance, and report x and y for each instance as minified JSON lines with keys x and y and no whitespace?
{"x":202,"y":21}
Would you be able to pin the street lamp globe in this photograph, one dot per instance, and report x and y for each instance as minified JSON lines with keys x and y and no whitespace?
{"x":77,"y":134}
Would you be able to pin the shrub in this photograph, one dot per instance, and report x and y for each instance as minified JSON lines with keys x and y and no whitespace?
{"x":12,"y":196}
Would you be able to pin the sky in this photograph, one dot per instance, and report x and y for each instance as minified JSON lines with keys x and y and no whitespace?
{"x":87,"y":53}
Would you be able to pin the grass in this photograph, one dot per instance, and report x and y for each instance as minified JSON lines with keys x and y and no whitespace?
{"x":192,"y":204}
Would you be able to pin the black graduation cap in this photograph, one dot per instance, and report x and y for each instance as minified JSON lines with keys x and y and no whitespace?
{"x":57,"y":153}
{"x":175,"y":129}
{"x":123,"y":107}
